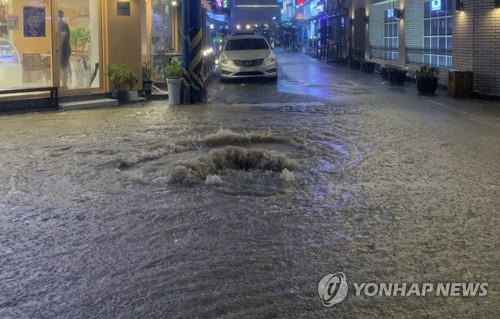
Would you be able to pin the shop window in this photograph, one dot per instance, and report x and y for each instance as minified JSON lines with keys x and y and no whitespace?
{"x":82,"y":66}
{"x":163,"y":39}
{"x":390,"y":51}
{"x":25,"y":44}
{"x":26,"y":28}
{"x":438,"y":29}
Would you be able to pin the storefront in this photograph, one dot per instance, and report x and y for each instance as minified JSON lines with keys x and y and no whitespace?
{"x":50,"y":43}
{"x":67,"y":43}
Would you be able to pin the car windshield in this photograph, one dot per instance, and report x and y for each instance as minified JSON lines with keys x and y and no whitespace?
{"x":246,"y":44}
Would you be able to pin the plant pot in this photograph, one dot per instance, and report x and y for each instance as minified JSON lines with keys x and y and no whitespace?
{"x":427,"y":85}
{"x":147,"y":86}
{"x":368,"y":67}
{"x":174,"y":91}
{"x":396,"y":76}
{"x":123,"y":96}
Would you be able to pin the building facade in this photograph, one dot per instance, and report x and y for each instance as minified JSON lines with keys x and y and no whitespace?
{"x":254,"y":15}
{"x":452,"y":35}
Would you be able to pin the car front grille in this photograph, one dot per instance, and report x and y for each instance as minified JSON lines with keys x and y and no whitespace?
{"x":248,"y":73}
{"x":248,"y":62}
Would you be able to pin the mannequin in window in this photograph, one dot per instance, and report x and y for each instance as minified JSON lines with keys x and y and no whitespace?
{"x":64,"y":49}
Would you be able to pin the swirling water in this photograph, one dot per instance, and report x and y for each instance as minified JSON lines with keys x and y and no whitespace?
{"x":114,"y":213}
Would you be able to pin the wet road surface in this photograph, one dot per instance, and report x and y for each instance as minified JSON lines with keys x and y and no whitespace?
{"x":238,"y":207}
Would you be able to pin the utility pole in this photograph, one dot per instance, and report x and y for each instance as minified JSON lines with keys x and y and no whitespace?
{"x":191,"y":51}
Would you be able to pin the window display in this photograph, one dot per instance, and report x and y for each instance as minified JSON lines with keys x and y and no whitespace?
{"x":10,"y":65}
{"x":8,"y":53}
{"x":29,"y":32}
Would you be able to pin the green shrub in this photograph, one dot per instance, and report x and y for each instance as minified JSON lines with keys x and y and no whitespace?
{"x":173,"y":69}
{"x":426,"y":71}
{"x":122,"y":77}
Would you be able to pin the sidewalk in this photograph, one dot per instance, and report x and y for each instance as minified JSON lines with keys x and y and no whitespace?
{"x":473,"y":105}
{"x":476,"y":104}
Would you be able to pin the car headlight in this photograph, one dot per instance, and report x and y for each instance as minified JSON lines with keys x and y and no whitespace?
{"x":224,"y":60}
{"x":271,"y":59}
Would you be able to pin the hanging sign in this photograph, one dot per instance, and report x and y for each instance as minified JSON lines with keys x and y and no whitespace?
{"x":34,"y":22}
{"x":435,"y":5}
{"x":390,"y":13}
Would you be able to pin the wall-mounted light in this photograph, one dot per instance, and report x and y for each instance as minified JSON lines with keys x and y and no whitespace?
{"x":459,"y":5}
{"x":400,"y":13}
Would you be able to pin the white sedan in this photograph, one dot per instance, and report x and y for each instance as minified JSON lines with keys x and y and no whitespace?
{"x":248,"y":56}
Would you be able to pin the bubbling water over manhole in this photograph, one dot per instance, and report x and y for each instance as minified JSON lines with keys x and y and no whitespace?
{"x":223,"y":137}
{"x":229,"y":158}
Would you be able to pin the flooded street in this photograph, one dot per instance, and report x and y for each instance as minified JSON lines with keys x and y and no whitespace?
{"x":238,"y":207}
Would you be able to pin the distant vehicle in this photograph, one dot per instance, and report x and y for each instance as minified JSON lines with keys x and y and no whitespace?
{"x":248,"y":56}
{"x":244,"y":33}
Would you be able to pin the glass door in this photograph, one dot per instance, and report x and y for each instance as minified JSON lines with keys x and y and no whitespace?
{"x":78,"y":44}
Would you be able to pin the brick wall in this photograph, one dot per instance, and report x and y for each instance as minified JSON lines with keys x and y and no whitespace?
{"x":376,"y":26}
{"x":476,"y":37}
{"x":414,"y":23}
{"x":483,"y":54}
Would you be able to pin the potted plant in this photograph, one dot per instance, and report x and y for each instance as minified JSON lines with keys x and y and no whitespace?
{"x":173,"y":73}
{"x":427,"y":80}
{"x":147,"y":82}
{"x":123,"y":79}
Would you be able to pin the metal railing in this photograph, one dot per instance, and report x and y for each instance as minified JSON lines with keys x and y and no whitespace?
{"x":383,"y":53}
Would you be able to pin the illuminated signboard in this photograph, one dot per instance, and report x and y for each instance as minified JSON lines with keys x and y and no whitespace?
{"x":390,"y":13}
{"x":300,"y":2}
{"x":320,"y":8}
{"x":435,"y":5}
{"x":224,"y":4}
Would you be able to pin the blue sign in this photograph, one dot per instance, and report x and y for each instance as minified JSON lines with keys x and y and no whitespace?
{"x":435,"y":5}
{"x":390,"y":13}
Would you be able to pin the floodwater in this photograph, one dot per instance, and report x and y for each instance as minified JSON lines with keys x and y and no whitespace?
{"x":237,"y":208}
